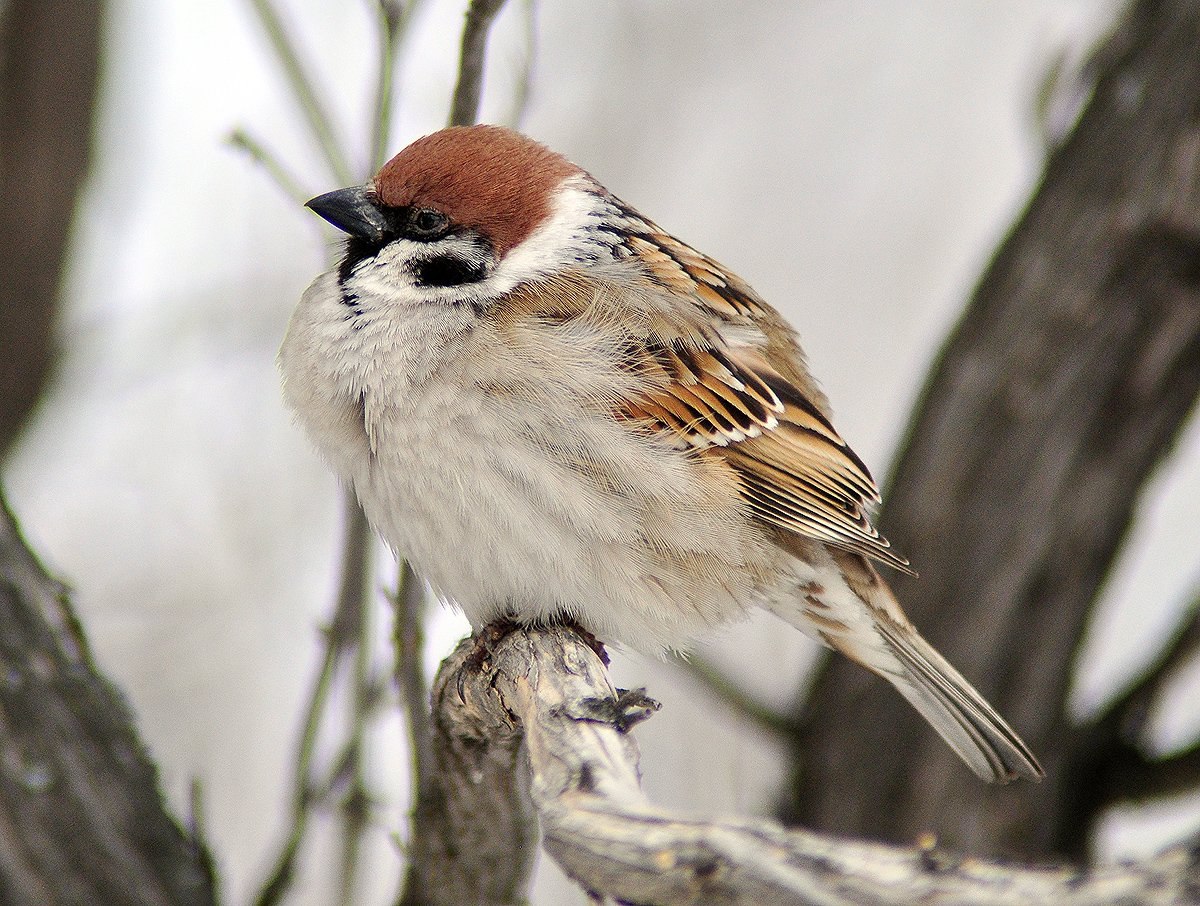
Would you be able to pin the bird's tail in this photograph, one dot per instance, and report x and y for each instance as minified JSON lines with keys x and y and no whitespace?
{"x":883,"y":640}
{"x":971,"y":726}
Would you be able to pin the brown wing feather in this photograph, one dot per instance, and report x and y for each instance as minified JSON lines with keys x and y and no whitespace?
{"x":722,"y":371}
{"x":796,"y":471}
{"x":755,"y":406}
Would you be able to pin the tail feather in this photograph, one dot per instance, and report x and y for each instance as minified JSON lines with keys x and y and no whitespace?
{"x":848,"y":606}
{"x":971,"y":727}
{"x":845,"y":603}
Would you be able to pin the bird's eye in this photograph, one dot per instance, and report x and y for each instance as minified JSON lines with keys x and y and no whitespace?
{"x":426,"y":223}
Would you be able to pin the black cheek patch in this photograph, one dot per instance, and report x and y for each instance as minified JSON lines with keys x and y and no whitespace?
{"x":450,"y":270}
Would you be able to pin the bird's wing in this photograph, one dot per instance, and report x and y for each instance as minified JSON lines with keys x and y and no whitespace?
{"x":725,"y":375}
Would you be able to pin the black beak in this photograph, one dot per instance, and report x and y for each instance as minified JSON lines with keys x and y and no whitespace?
{"x":353,"y":211}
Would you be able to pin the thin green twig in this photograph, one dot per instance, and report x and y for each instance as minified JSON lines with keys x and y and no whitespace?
{"x":395,"y":20}
{"x":734,"y":696}
{"x":389,"y":15}
{"x":242,"y":140}
{"x":464,"y":109}
{"x":319,"y":121}
{"x":340,"y":636}
{"x":524,"y":82}
{"x":409,"y":670}
{"x":354,"y":806}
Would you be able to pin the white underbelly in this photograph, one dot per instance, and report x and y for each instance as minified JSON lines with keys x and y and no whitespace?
{"x":498,"y":523}
{"x":492,"y":464}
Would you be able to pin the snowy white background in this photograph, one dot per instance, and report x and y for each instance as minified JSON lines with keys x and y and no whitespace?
{"x":855,"y":161}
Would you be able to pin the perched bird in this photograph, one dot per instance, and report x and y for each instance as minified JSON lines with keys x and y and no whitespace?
{"x":557,"y":410}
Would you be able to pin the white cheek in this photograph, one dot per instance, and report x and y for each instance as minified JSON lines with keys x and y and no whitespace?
{"x":392,"y":275}
{"x":391,"y":271}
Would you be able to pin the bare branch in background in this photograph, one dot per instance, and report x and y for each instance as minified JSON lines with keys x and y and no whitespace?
{"x":464,"y":109}
{"x":524,"y":81}
{"x":1131,"y":710}
{"x":395,"y":19}
{"x":355,"y":597}
{"x":726,"y":690}
{"x":342,"y":640}
{"x":544,"y":691}
{"x":303,"y":88}
{"x":1157,"y":778}
{"x":409,"y":672}
{"x":241,"y":139}
{"x":1109,"y":756}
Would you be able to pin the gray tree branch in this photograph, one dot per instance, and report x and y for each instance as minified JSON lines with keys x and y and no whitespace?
{"x":467,"y":93}
{"x":81,"y":817}
{"x":535,"y":721}
{"x":1110,"y":753}
{"x":474,"y":834}
{"x":1129,"y":712}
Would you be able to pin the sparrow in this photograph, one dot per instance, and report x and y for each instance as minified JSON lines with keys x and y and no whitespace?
{"x":557,"y":411}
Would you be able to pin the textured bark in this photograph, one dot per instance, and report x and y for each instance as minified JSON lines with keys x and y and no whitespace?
{"x":1066,"y":383}
{"x":474,"y":837}
{"x":545,"y":693}
{"x":49,"y":55}
{"x":81,"y":818}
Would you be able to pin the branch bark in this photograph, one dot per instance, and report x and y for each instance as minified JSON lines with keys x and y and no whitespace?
{"x":1064,"y":386}
{"x":539,"y":722}
{"x":474,"y":837}
{"x":81,"y":817}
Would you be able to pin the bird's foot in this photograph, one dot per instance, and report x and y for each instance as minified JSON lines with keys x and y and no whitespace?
{"x":494,"y":632}
{"x":588,"y":638}
{"x":487,"y":639}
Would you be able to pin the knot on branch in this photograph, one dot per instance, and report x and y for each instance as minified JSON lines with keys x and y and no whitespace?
{"x":626,"y":711}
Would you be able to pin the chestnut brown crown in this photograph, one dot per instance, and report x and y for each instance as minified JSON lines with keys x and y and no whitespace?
{"x":486,"y":178}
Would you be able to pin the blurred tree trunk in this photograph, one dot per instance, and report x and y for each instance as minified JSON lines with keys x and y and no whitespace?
{"x":81,"y":818}
{"x":1064,"y":386}
{"x":49,"y":59}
